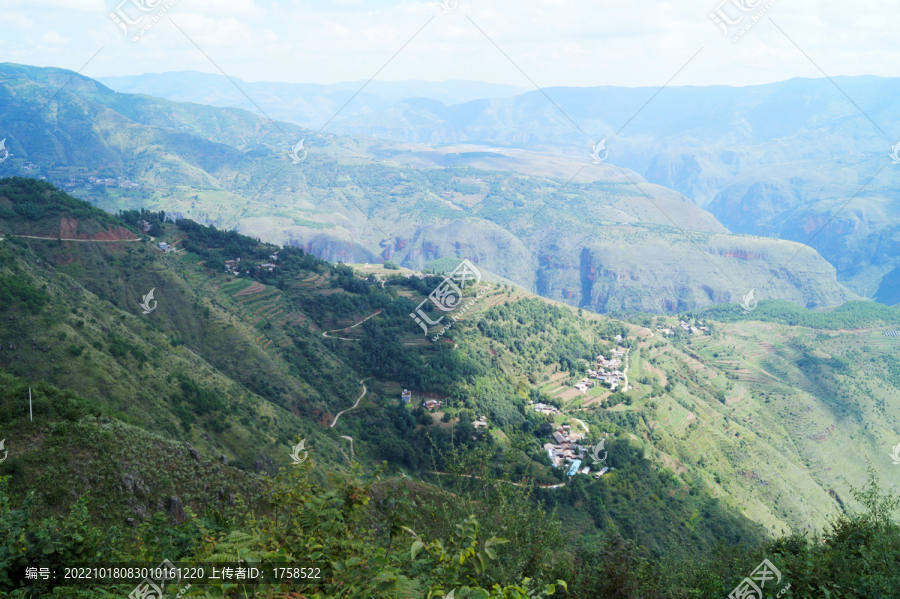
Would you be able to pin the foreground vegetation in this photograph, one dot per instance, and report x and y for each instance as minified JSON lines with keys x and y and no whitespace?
{"x":369,"y":534}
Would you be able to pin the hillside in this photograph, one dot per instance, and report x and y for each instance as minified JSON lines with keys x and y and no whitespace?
{"x":723,"y":439}
{"x":353,"y":200}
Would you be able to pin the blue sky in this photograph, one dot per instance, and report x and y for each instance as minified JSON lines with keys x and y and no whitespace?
{"x":555,"y":42}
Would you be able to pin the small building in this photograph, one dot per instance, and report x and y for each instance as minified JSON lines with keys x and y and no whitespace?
{"x":576,"y":466}
{"x":406,"y":396}
{"x":602,"y":472}
{"x":163,"y":246}
{"x":480,"y":423}
{"x":431,"y":404}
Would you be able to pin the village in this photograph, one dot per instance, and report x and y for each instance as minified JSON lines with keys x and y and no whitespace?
{"x":233,"y":267}
{"x":566,"y":449}
{"x":687,"y":328}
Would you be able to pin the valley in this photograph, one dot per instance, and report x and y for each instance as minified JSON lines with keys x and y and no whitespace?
{"x":201,"y":162}
{"x":449,"y":300}
{"x":737,"y":430}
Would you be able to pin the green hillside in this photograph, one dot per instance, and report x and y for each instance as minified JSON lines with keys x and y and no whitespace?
{"x":726,"y":440}
{"x":355,"y":200}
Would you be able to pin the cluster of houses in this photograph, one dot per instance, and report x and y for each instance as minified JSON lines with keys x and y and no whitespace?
{"x":687,"y":328}
{"x":545,"y":409}
{"x":119,"y":182}
{"x":607,"y":372}
{"x":567,"y":451}
{"x":565,"y":448}
{"x":270,"y":266}
{"x":234,"y":266}
{"x":691,"y":329}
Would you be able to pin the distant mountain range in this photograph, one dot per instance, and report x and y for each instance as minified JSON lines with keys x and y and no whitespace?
{"x":776,"y":160}
{"x":591,"y":235}
{"x":307,"y":104}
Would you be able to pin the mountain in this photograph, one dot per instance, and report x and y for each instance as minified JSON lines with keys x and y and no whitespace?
{"x":725,"y":435}
{"x":308,"y":104}
{"x":628,"y":245}
{"x":777,"y":160}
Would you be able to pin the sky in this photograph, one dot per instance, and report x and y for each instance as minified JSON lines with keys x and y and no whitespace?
{"x":526,"y":43}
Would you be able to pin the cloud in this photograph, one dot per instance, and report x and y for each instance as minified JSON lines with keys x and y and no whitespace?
{"x":52,"y":37}
{"x":555,"y":42}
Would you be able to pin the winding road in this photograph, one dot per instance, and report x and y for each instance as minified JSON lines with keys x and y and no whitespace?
{"x":325,"y":334}
{"x":64,"y":239}
{"x":364,"y":391}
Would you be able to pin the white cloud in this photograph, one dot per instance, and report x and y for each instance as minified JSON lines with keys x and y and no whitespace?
{"x":52,"y":37}
{"x":556,"y":42}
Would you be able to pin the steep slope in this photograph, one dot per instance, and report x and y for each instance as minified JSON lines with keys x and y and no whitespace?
{"x":227,"y":167}
{"x":752,"y":423}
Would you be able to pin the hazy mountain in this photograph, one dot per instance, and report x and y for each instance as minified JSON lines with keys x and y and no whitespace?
{"x":775,"y":160}
{"x":307,"y":104}
{"x":606,"y":240}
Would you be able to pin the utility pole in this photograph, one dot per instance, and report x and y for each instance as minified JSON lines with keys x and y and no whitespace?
{"x":30,"y":417}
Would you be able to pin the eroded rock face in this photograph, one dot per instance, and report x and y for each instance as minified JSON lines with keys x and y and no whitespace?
{"x":177,"y":510}
{"x":195,"y":453}
{"x":133,"y":483}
